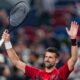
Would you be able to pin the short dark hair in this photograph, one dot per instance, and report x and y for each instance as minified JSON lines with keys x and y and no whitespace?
{"x":53,"y":50}
{"x":36,"y":55}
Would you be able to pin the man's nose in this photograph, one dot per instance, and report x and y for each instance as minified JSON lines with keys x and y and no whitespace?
{"x":47,"y":59}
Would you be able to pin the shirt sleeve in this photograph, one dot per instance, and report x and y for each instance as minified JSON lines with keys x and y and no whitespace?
{"x":64,"y":71}
{"x":18,"y":13}
{"x":31,"y":71}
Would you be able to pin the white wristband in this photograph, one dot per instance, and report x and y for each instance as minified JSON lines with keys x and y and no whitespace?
{"x":8,"y":45}
{"x":1,"y":42}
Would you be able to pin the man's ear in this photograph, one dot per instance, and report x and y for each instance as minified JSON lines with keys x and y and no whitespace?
{"x":57,"y":60}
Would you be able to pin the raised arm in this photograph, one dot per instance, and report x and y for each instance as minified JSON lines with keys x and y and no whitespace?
{"x":12,"y":54}
{"x":73,"y":34}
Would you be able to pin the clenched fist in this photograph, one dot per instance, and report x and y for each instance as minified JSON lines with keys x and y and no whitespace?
{"x":6,"y":36}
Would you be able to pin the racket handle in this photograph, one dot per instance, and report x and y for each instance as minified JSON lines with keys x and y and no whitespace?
{"x":1,"y":42}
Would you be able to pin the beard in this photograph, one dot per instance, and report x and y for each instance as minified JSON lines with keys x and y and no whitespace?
{"x":48,"y":65}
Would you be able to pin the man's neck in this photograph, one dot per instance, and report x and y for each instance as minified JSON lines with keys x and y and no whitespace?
{"x":49,"y":70}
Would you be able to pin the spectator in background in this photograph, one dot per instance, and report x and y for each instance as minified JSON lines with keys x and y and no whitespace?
{"x":48,"y":5}
{"x":50,"y":39}
{"x":33,"y":59}
{"x":4,"y":72}
{"x":78,"y":8}
{"x":16,"y":74}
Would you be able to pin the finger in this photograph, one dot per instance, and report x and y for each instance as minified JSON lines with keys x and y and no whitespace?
{"x":6,"y":30}
{"x":72,"y":24}
{"x":67,"y":30}
{"x":4,"y":33}
{"x":75,"y":23}
{"x":8,"y":35}
{"x":77,"y":27}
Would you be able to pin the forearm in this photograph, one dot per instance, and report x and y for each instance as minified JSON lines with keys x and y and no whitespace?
{"x":74,"y":54}
{"x":12,"y":54}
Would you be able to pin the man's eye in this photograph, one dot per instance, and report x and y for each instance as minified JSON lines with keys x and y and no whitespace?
{"x":50,"y":57}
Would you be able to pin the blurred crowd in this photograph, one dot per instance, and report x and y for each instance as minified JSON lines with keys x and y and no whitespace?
{"x":44,"y":27}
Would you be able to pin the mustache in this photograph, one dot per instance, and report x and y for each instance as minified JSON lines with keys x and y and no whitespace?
{"x":47,"y":61}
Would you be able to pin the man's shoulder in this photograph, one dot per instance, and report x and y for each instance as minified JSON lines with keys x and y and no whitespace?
{"x":32,"y":71}
{"x":29,"y":67}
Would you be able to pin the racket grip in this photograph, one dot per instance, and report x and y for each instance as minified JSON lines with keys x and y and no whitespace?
{"x":1,"y":42}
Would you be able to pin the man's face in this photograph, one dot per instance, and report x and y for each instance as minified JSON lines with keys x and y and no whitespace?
{"x":50,"y":60}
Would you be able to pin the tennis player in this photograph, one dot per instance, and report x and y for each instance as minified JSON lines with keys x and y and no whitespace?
{"x":51,"y":58}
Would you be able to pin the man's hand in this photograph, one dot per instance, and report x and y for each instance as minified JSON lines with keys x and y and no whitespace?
{"x":73,"y":30}
{"x":6,"y":36}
